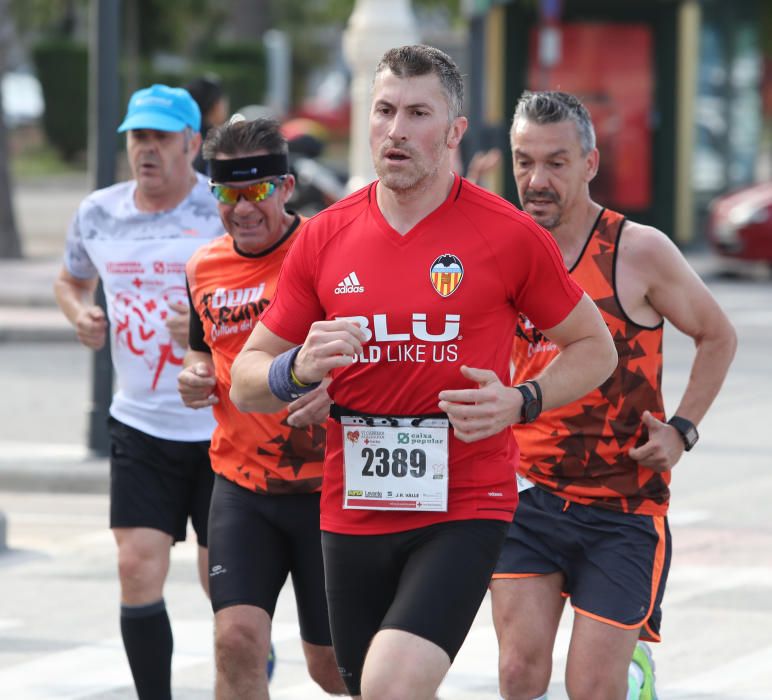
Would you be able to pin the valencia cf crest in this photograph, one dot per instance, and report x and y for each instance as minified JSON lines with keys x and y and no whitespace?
{"x":446,"y":273}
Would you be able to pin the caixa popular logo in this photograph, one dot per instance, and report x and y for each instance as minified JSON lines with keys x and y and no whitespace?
{"x":385,"y":331}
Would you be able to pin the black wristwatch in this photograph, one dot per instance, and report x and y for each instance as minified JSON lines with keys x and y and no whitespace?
{"x":531,"y":404}
{"x":687,"y":430}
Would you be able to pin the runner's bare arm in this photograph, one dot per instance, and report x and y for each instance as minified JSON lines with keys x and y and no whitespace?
{"x":586,"y":359}
{"x":249,"y":372}
{"x":675,"y":291}
{"x":75,"y":297}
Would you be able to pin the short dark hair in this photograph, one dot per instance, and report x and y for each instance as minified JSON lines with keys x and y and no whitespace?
{"x":419,"y":59}
{"x":239,"y":136}
{"x":206,"y":91}
{"x":551,"y":107}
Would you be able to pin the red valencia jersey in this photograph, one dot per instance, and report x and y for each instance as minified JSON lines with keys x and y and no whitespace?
{"x":445,"y":294}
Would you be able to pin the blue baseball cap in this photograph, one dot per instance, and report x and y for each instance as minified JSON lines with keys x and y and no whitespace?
{"x":163,"y":108}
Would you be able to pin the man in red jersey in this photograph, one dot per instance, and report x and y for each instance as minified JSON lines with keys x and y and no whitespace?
{"x":264,"y":516}
{"x":594,"y":474}
{"x":406,"y":293}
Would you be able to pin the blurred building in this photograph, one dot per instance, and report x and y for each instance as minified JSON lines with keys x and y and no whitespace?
{"x":680,"y":92}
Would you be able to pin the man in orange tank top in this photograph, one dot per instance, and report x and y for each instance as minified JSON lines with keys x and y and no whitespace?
{"x":594,"y":474}
{"x":264,"y":514}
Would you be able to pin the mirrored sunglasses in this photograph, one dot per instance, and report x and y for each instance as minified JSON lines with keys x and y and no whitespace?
{"x":252,"y":193}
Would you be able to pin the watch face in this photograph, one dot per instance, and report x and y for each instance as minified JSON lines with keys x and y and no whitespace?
{"x":687,"y":430}
{"x":531,"y":411}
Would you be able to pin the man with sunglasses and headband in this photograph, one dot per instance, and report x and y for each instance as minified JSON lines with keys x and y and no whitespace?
{"x":137,"y":236}
{"x":264,"y":518}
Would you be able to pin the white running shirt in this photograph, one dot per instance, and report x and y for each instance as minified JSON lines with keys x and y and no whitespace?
{"x":140,"y":257}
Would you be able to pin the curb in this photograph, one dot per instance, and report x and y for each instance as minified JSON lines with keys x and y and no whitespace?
{"x":33,"y":325}
{"x":90,"y":475}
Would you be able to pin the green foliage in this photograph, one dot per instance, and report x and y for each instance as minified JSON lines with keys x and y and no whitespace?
{"x":49,"y":17}
{"x":242,"y":69}
{"x":452,"y":7}
{"x":171,"y":25}
{"x":62,"y":68}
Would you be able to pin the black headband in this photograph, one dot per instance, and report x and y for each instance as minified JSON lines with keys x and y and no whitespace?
{"x":251,"y":168}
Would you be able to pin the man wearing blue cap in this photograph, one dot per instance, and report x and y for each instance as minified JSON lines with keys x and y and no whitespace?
{"x":137,"y":236}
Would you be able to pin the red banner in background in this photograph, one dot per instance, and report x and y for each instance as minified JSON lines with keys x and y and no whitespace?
{"x":609,"y":67}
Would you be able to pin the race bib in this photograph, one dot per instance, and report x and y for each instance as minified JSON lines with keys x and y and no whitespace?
{"x":395,"y":463}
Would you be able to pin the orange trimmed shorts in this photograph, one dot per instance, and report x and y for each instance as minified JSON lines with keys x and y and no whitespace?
{"x":615,"y":564}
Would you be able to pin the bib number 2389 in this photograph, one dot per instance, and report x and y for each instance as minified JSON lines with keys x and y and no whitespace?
{"x":395,"y":468}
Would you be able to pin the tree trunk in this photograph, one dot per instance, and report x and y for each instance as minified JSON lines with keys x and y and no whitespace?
{"x":10,"y":244}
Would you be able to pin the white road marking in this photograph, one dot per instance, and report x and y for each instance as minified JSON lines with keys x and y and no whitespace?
{"x":19,"y":451}
{"x":731,"y":677}
{"x":679,"y":518}
{"x":9,"y":623}
{"x":94,"y":668}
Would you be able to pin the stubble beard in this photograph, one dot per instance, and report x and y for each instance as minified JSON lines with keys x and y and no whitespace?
{"x":416,"y":178}
{"x":404,"y":182}
{"x":547,"y":221}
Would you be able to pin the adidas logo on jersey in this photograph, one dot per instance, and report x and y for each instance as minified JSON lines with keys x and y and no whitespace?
{"x":350,"y":285}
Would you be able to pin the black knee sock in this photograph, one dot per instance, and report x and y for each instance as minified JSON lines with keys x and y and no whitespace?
{"x":147,"y":638}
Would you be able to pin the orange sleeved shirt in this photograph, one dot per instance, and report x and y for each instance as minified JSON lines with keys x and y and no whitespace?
{"x":260,"y":452}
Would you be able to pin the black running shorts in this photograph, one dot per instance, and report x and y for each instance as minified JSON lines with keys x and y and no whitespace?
{"x":158,"y":483}
{"x":430,"y":582}
{"x":255,"y":540}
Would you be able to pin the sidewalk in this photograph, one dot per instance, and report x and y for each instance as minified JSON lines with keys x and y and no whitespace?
{"x":28,"y":312}
{"x":29,"y":315}
{"x":43,"y":210}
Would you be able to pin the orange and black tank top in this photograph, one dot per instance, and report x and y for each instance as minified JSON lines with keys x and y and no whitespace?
{"x":580,"y":451}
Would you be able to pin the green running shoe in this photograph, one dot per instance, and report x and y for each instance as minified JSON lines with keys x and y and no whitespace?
{"x":271,"y":662}
{"x":643,"y":659}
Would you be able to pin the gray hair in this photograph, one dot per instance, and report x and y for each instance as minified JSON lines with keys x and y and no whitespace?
{"x":551,"y":107}
{"x":238,"y":136}
{"x":419,"y":59}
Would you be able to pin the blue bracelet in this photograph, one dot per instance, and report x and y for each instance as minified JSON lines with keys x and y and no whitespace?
{"x":280,"y":377}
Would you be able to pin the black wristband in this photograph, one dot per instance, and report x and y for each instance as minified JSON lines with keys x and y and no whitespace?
{"x":280,"y":380}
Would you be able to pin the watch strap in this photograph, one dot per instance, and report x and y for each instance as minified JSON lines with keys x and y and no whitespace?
{"x":527,"y":395}
{"x":537,"y":388}
{"x":686,"y":429}
{"x":531,"y":407}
